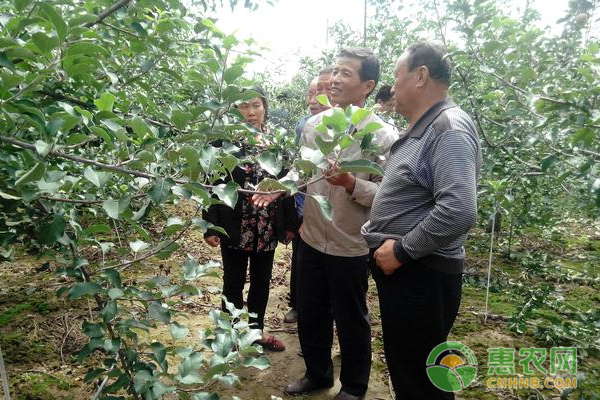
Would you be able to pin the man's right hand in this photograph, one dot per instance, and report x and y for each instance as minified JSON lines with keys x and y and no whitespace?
{"x":213,"y":241}
{"x":263,"y":200}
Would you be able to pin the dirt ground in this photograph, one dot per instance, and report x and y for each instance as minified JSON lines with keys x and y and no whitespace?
{"x":288,"y":365}
{"x":41,"y":336}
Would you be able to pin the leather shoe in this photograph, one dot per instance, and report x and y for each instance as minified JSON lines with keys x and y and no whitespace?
{"x":291,"y":316}
{"x":347,"y":396}
{"x":304,"y":386}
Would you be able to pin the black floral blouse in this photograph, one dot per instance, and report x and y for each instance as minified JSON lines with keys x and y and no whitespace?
{"x":258,"y":223}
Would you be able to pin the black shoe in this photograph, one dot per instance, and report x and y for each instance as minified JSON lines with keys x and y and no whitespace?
{"x":291,"y":316}
{"x":347,"y":396}
{"x":304,"y":386}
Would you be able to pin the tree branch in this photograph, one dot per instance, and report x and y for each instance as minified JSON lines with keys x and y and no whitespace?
{"x":106,"y":13}
{"x":125,"y":31}
{"x":109,"y":167}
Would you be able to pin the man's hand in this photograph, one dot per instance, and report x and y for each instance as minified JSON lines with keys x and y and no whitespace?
{"x":344,"y":179}
{"x":213,"y":241}
{"x":289,"y":236}
{"x":263,"y":200}
{"x":386,"y":259}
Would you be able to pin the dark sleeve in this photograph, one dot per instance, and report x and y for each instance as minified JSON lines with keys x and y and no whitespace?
{"x":291,"y":222}
{"x":211,"y":215}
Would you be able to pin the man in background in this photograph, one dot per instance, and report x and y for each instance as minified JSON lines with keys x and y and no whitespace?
{"x":320,"y":85}
{"x":385,"y":100}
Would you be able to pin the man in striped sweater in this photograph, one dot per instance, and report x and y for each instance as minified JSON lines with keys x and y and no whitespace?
{"x":425,"y":205}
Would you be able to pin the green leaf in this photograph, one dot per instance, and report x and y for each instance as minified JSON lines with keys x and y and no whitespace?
{"x":366,"y":166}
{"x":139,"y":126}
{"x":138,"y":246}
{"x":324,"y":204}
{"x":33,"y":175}
{"x":157,"y":312}
{"x":53,"y":15}
{"x":369,"y":128}
{"x":44,"y":42}
{"x":147,"y":65}
{"x":160,"y":191}
{"x":316,"y":157}
{"x":8,"y":196}
{"x":270,"y":161}
{"x":178,"y":331}
{"x":51,"y":232}
{"x":208,"y":158}
{"x":93,"y":330}
{"x":97,"y":228}
{"x":81,"y":289}
{"x":105,"y":102}
{"x":325,"y":146}
{"x":269,"y":185}
{"x":359,"y":115}
{"x":109,"y":312}
{"x":116,"y":293}
{"x":98,"y":178}
{"x":20,"y":5}
{"x":86,"y":48}
{"x":180,"y":119}
{"x":228,"y":194}
{"x":232,"y":73}
{"x":337,"y":121}
{"x":229,"y":41}
{"x":260,"y":363}
{"x":323,"y":100}
{"x":42,"y":147}
{"x":189,"y":368}
{"x":5,"y":62}
{"x":101,"y":133}
{"x":229,"y":162}
{"x":114,"y":208}
{"x":191,"y":155}
{"x":174,"y":224}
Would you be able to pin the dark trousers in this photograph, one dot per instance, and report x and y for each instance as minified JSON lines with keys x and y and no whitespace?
{"x":334,"y":288}
{"x":235,"y":266}
{"x":293,"y":303}
{"x":418,"y":306}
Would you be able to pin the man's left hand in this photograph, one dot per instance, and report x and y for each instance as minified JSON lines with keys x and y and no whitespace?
{"x":344,"y":179}
{"x":386,"y":259}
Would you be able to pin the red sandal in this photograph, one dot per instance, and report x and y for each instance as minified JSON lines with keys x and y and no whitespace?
{"x":271,"y":343}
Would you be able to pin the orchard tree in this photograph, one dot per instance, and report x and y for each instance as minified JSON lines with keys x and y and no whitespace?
{"x":108,"y":112}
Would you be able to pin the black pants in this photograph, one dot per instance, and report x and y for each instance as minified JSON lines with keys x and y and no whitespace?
{"x":418,"y":307}
{"x":235,"y":265}
{"x":334,"y":288}
{"x":293,"y":303}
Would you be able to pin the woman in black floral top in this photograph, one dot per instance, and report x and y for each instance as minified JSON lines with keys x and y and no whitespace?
{"x":253,"y":233}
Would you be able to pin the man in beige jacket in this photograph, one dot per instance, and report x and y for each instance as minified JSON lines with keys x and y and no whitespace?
{"x":333,"y":256}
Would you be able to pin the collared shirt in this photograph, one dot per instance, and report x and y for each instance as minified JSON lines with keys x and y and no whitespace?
{"x":427,"y":200}
{"x":341,"y":236}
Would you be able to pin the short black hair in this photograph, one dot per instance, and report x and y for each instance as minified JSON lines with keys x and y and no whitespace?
{"x":326,"y":71}
{"x":384,"y":94}
{"x":263,"y":97}
{"x":369,"y":63}
{"x":433,"y":56}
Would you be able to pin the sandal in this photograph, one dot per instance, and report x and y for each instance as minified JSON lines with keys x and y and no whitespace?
{"x":271,"y":343}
